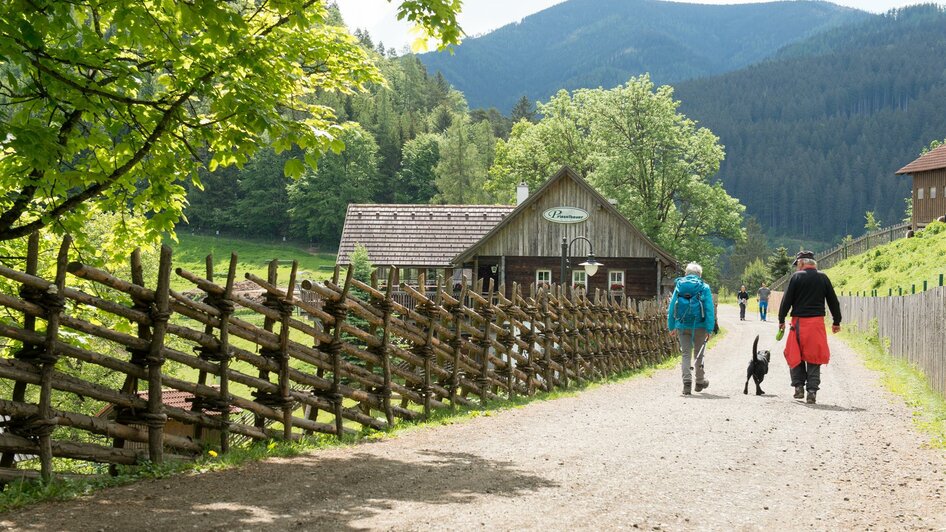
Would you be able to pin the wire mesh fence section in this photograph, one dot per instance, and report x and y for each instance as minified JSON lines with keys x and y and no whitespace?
{"x":160,"y":375}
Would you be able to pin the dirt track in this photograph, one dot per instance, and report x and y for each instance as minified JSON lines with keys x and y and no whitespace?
{"x":629,"y":455}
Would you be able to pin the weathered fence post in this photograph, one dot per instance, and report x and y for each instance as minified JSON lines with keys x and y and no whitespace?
{"x":456,"y":342}
{"x":53,"y":303}
{"x":382,"y":351}
{"x":155,"y":417}
{"x":424,"y":350}
{"x":226,"y":309}
{"x":338,"y":308}
{"x":486,"y":311}
{"x":285,"y":311}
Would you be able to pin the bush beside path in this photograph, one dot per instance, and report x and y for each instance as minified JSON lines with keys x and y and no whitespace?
{"x":630,"y":454}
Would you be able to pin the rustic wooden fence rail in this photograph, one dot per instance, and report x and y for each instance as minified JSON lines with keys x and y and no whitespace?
{"x":912,"y":324}
{"x":862,"y":244}
{"x":353,"y":358}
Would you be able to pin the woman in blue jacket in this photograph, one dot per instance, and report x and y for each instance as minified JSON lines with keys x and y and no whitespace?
{"x":691,"y":318}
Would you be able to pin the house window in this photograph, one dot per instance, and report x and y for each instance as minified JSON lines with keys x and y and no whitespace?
{"x":932,"y":192}
{"x":919,"y":193}
{"x":616,"y":280}
{"x":543,"y":277}
{"x":579,"y":278}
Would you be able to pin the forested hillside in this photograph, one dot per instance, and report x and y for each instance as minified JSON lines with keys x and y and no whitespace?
{"x":813,"y":137}
{"x":591,"y":43}
{"x":411,"y":140}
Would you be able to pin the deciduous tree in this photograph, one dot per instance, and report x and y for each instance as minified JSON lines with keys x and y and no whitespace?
{"x":634,"y":146}
{"x":319,"y":199}
{"x":107,"y":106}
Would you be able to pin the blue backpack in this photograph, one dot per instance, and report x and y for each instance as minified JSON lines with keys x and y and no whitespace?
{"x":689,"y":307}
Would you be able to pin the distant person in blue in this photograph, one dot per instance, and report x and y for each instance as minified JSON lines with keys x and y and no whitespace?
{"x":691,"y":317}
{"x":763,"y":297}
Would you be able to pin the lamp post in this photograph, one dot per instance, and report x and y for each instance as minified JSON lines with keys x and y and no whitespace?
{"x":590,"y":265}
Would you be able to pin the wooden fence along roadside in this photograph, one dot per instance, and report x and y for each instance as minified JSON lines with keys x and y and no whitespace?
{"x":862,"y":244}
{"x":913,"y":324}
{"x":360,"y":352}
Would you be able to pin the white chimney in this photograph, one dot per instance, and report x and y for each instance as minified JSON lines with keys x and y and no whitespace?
{"x":522,"y":193}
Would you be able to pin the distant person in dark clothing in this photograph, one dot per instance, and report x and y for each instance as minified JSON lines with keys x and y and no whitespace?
{"x":807,"y":346}
{"x":743,"y":298}
{"x":763,"y":297}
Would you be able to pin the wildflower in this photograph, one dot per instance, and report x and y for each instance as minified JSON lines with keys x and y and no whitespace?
{"x":212,"y":453}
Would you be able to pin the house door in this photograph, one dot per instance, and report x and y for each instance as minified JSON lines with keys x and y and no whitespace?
{"x":487,"y":272}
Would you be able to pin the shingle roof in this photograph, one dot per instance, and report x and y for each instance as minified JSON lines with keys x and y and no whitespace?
{"x":416,"y":235}
{"x":172,"y":398}
{"x":931,"y":160}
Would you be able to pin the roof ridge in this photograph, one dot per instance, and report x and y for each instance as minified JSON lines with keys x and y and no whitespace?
{"x":931,"y":160}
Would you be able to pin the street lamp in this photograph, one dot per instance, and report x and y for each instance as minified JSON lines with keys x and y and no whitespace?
{"x":590,"y":265}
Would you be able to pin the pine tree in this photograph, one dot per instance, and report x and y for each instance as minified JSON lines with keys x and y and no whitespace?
{"x":523,"y":110}
{"x":780,"y":263}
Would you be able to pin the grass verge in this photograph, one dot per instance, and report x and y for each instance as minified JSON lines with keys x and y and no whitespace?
{"x":19,"y":494}
{"x":905,"y":380}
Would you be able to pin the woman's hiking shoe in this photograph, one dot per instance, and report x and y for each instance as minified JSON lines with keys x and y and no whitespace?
{"x":799,"y":392}
{"x":700,"y":386}
{"x":686,"y":388}
{"x":811,"y":398}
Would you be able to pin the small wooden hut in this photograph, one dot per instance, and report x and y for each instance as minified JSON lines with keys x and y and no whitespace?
{"x":929,"y":186}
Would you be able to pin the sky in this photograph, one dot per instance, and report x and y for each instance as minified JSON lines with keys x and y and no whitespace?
{"x":481,"y":16}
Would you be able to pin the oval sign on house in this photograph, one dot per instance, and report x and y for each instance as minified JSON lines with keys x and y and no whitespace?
{"x":565,"y":215}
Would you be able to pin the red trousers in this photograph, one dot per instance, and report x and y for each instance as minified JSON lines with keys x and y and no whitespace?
{"x":807,"y":341}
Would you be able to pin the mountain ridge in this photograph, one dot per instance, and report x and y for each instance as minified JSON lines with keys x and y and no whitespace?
{"x":591,"y":43}
{"x":813,"y":141}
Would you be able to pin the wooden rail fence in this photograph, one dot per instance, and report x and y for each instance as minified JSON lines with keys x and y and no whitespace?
{"x":862,"y":244}
{"x":912,"y":324}
{"x":353,"y":358}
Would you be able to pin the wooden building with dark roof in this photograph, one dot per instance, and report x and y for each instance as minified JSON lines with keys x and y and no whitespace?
{"x":416,"y":238}
{"x":929,"y":186}
{"x":521,"y":244}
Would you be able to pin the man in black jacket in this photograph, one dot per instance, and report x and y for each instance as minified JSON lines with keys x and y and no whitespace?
{"x":807,"y":347}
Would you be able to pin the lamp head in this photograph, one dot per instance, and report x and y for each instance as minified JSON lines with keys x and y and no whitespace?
{"x":591,"y":265}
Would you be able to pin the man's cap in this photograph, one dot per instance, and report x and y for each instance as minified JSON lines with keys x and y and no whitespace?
{"x":803,"y":255}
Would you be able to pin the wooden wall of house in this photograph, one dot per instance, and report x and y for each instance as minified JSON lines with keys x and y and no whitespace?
{"x":640,"y":274}
{"x":529,"y":234}
{"x":928,"y":209}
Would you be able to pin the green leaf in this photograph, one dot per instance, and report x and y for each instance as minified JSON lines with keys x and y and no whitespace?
{"x":294,"y":168}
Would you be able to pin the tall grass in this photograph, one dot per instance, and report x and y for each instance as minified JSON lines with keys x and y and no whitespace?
{"x":904,"y":380}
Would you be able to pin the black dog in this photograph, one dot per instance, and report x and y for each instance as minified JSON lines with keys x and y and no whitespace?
{"x":758,"y":367}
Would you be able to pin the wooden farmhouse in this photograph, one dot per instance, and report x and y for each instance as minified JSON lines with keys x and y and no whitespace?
{"x":929,"y":186}
{"x":521,"y":244}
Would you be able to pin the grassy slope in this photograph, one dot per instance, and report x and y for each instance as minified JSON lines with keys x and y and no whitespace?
{"x":253,"y":257}
{"x":898,"y":264}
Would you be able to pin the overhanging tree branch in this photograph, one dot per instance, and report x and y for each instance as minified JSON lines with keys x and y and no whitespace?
{"x":97,"y":188}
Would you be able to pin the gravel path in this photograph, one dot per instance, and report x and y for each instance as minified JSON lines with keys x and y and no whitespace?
{"x":630,"y":455}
